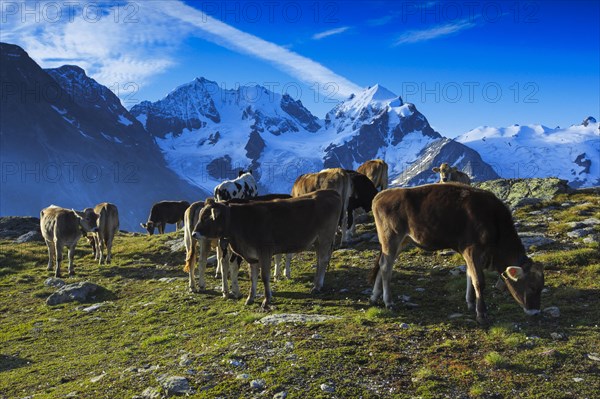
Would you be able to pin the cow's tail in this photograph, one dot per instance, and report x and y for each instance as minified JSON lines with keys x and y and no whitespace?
{"x":375,"y":269}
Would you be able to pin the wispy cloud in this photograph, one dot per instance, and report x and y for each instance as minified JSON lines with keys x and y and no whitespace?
{"x":415,"y":36}
{"x":386,"y":19}
{"x":118,"y":48}
{"x":297,"y":66}
{"x":330,"y":32}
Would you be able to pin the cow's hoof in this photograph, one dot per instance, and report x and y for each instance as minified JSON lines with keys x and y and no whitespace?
{"x":235,"y":295}
{"x":71,"y":273}
{"x":226,"y":295}
{"x":482,"y":321}
{"x":265,"y":307}
{"x":57,"y":275}
{"x":471,"y":306}
{"x":390,"y":306}
{"x":249,"y":301}
{"x":315,"y":290}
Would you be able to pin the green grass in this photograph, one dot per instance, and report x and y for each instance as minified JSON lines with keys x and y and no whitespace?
{"x":147,"y":326}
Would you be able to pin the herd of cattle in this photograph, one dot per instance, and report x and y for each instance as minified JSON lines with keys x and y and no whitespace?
{"x":240,"y":225}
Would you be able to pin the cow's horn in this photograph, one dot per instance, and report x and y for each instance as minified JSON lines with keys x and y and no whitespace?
{"x":514,"y":272}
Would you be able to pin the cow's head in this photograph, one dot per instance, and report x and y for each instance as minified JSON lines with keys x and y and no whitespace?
{"x":88,"y":220}
{"x":213,"y":220}
{"x":149,"y":226}
{"x":445,"y":171}
{"x":525,"y":283}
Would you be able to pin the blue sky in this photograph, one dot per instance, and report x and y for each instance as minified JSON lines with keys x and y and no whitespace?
{"x":463,"y":64}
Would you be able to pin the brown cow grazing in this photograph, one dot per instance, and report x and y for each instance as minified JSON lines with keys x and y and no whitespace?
{"x":451,"y":174}
{"x":470,"y":221}
{"x":164,"y":212}
{"x":336,"y":179}
{"x":259,"y":229}
{"x":377,"y":171}
{"x":63,"y":227}
{"x":108,"y":225}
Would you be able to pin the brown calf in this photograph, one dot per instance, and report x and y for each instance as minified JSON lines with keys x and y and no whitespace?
{"x":377,"y":171}
{"x":451,"y":174}
{"x":259,"y":229}
{"x":470,"y":221}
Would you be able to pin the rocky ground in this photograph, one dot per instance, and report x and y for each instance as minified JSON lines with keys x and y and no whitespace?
{"x":132,"y":330}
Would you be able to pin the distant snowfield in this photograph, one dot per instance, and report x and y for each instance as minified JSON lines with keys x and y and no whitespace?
{"x":571,"y":153}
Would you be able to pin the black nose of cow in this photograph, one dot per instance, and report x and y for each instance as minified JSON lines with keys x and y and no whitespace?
{"x":196,"y":235}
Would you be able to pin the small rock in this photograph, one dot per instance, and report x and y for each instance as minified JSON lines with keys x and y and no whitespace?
{"x":167,"y":279}
{"x":552,"y":311}
{"x":455,"y":315}
{"x":411,"y":305}
{"x":586,"y":231}
{"x":31,"y":236}
{"x":316,"y":336}
{"x":280,"y":395}
{"x":97,"y":378}
{"x":530,"y":239}
{"x":458,"y":270}
{"x":185,"y":360}
{"x":80,"y":292}
{"x":73,"y":394}
{"x":327,"y":388}
{"x":367,"y":291}
{"x":343,"y":290}
{"x":289,"y":345}
{"x":447,"y":252}
{"x":557,"y":336}
{"x":577,"y":379}
{"x":150,"y":393}
{"x":94,"y":307}
{"x":54,"y":282}
{"x":419,"y":289}
{"x":242,"y":376}
{"x":259,"y":384}
{"x":236,"y":363}
{"x":550,"y":352}
{"x":404,"y":298}
{"x":295,"y":318}
{"x":177,"y":385}
{"x":590,"y":240}
{"x":404,"y":326}
{"x":594,"y":356}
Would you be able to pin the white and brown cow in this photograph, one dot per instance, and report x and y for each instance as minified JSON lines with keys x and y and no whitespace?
{"x":451,"y":174}
{"x":470,"y":221}
{"x":242,"y":187}
{"x":259,"y":229}
{"x":163,"y":213}
{"x":62,"y":228}
{"x":336,"y":179}
{"x":107,"y":221}
{"x":377,"y":171}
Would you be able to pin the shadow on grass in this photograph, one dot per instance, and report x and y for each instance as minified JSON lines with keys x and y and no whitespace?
{"x":8,"y":363}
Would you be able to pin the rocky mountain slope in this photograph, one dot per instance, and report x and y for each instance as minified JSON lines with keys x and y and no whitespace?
{"x":571,"y":153}
{"x":67,"y":140}
{"x":207,"y":133}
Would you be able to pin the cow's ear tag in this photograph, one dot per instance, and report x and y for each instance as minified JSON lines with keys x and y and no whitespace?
{"x":514,"y":272}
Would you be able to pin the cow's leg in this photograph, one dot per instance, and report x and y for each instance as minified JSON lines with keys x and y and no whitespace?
{"x":234,"y":268}
{"x":51,"y":254}
{"x":253,"y":278}
{"x":161,"y":227}
{"x":109,"y":244}
{"x":277,"y":269}
{"x":71,"y":257}
{"x":474,"y":259}
{"x":470,"y":295}
{"x":201,"y":265}
{"x":100,"y":247}
{"x":324,"y":249}
{"x":223,"y":260}
{"x":288,"y":261}
{"x":58,"y":258}
{"x":389,"y":252}
{"x":265,"y":275}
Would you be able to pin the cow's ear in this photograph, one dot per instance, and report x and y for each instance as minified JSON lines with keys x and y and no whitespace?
{"x":514,"y":272}
{"x":436,"y":170}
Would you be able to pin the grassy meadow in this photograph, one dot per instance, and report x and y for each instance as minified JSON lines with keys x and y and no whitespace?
{"x":430,"y":347}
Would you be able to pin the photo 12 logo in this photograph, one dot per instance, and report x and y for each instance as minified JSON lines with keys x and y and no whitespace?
{"x":68,"y":172}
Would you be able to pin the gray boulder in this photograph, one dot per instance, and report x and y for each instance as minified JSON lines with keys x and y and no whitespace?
{"x":520,"y":192}
{"x":31,"y":236}
{"x":77,"y":292}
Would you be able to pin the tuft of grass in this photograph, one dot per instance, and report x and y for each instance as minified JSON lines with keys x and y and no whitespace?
{"x":157,"y":340}
{"x":374,"y":313}
{"x":476,"y":390}
{"x":251,"y":318}
{"x":495,"y":360}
